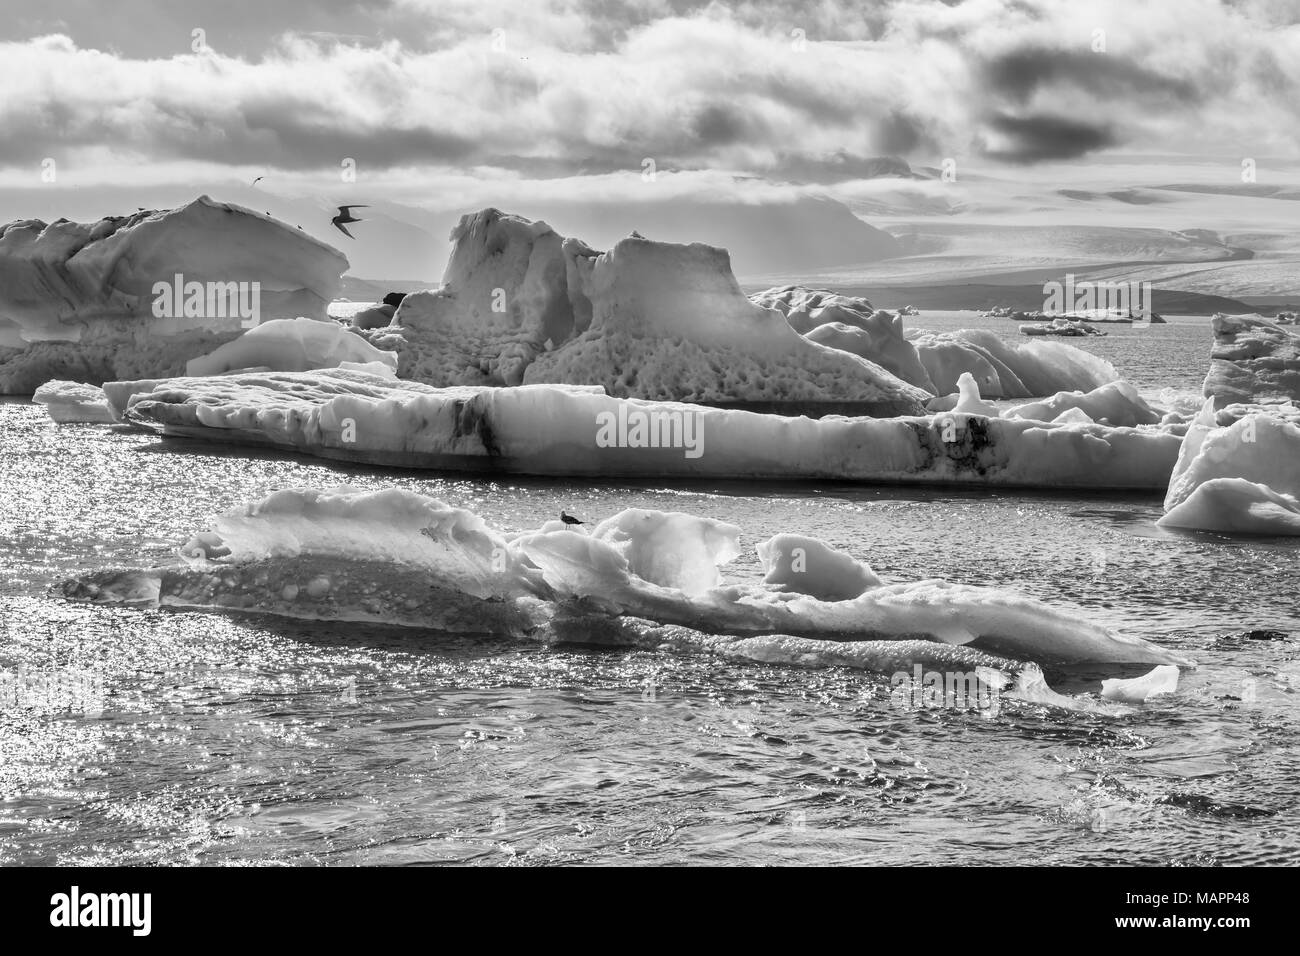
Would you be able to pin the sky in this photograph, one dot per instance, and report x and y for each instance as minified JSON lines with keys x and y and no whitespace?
{"x":451,"y":104}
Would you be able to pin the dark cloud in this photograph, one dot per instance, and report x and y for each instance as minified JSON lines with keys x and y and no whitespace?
{"x":1022,"y":73}
{"x":841,"y":166}
{"x":900,"y":134}
{"x":1041,"y":137}
{"x":281,"y":133}
{"x":719,"y":124}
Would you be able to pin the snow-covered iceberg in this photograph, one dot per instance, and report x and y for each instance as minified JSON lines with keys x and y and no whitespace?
{"x":936,"y":361}
{"x":401,"y":558}
{"x":86,"y":300}
{"x":521,"y":304}
{"x":1253,"y":361}
{"x":291,"y":345}
{"x":74,"y":402}
{"x":1117,"y":403}
{"x":1238,"y":471}
{"x":1008,"y":370}
{"x":580,"y":431}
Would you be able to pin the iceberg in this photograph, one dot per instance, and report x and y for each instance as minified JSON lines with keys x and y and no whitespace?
{"x":1002,"y":370}
{"x":1253,"y":361}
{"x":402,"y":558}
{"x":1162,"y":680}
{"x":118,"y":298}
{"x":74,"y":402}
{"x":1117,"y":404}
{"x":1242,"y":476}
{"x":801,"y":565}
{"x":351,"y":414}
{"x":291,"y":345}
{"x":936,"y":361}
{"x":521,"y":305}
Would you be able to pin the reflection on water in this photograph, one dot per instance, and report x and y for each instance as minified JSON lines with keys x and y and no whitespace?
{"x":158,"y":737}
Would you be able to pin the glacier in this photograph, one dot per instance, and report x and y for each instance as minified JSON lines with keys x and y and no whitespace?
{"x":78,"y":300}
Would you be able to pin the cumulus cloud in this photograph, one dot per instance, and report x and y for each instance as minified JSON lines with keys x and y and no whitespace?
{"x":804,"y":90}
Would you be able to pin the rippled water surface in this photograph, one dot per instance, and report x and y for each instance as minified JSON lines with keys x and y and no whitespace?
{"x":131,"y":736}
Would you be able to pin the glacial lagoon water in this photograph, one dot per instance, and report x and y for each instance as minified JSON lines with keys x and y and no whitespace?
{"x":145,"y":736}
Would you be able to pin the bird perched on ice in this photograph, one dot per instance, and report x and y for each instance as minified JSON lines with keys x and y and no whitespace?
{"x":345,"y":215}
{"x":570,"y":519}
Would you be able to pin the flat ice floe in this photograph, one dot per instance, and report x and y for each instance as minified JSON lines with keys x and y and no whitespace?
{"x":350,"y":414}
{"x":640,"y":578}
{"x":74,"y":402}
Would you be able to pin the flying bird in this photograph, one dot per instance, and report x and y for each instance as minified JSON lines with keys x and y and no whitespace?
{"x":258,"y":180}
{"x":345,"y":215}
{"x":570,"y":519}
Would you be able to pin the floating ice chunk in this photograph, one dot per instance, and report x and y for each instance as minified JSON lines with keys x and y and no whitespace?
{"x":74,"y":402}
{"x":85,"y":297}
{"x":577,"y":566}
{"x":521,"y":304}
{"x":1235,"y":506}
{"x":804,"y":565}
{"x":1076,"y":415}
{"x":670,"y":323}
{"x":504,"y":294}
{"x":935,"y":361}
{"x":393,"y":526}
{"x":554,"y":430}
{"x":673,"y":550}
{"x":943,"y":403}
{"x":878,"y":338}
{"x":1253,"y":360}
{"x":292,"y":345}
{"x":969,"y":401}
{"x":1002,"y":370}
{"x":1240,"y":478}
{"x":399,"y":557}
{"x":1117,"y":404}
{"x":1161,"y":680}
{"x":384,"y":369}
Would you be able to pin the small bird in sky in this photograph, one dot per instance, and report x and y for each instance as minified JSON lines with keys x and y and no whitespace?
{"x":570,"y":519}
{"x":345,"y":215}
{"x":258,"y":180}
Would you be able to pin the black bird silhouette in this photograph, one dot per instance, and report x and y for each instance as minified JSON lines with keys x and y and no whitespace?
{"x":258,"y":180}
{"x":345,"y":215}
{"x":570,"y":519}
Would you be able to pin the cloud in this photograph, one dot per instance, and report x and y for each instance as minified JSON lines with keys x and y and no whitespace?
{"x":804,"y":90}
{"x":1027,"y":139}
